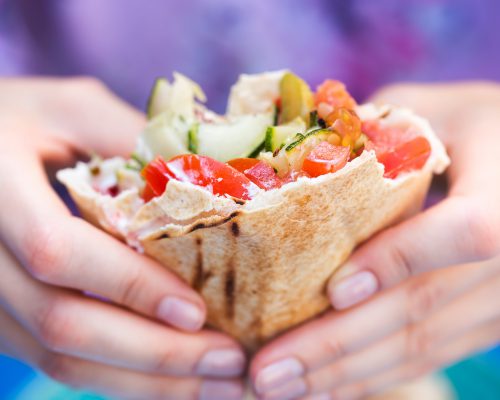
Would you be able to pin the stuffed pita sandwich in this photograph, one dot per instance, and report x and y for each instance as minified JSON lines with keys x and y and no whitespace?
{"x":257,"y":208}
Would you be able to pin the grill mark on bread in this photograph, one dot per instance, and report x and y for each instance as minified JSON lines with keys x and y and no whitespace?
{"x":199,"y":274}
{"x":162,"y":236}
{"x":229,"y":289}
{"x":203,"y":225}
{"x":235,"y":229}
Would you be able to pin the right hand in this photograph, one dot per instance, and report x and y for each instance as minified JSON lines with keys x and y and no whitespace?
{"x":145,"y":342}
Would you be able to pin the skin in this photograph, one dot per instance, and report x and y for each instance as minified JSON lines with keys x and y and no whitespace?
{"x":146,"y":340}
{"x":427,"y":289}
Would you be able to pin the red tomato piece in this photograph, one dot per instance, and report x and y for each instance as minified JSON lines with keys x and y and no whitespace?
{"x":400,"y":149}
{"x":147,"y":193}
{"x":325,"y":158}
{"x":219,"y":178}
{"x":335,"y":94}
{"x":242,"y":164}
{"x":156,"y":174}
{"x":408,"y":156}
{"x":259,"y":172}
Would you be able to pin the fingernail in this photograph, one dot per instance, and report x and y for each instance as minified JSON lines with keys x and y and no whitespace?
{"x":277,"y":374}
{"x":222,"y":363}
{"x":180,"y":313}
{"x":353,"y":289}
{"x":347,"y":269}
{"x":289,"y":390}
{"x":220,"y":390}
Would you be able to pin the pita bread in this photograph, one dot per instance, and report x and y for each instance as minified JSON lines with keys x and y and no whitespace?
{"x":262,"y":266}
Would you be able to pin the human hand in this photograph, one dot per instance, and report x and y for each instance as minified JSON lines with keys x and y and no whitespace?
{"x":434,"y":318}
{"x":146,"y":341}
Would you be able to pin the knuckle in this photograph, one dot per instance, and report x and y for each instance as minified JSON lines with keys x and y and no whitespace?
{"x":420,"y":339}
{"x":334,"y":348}
{"x":43,"y":256}
{"x":401,"y":260}
{"x":59,"y":368}
{"x":130,"y":287}
{"x":56,"y":327}
{"x":482,"y":227}
{"x":423,"y":296}
{"x":163,"y":363}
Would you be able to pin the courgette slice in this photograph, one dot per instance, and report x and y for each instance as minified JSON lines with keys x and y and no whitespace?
{"x":161,"y":137}
{"x":277,"y":136}
{"x":193,"y":138}
{"x":159,"y":98}
{"x":296,"y":98}
{"x":238,"y":137}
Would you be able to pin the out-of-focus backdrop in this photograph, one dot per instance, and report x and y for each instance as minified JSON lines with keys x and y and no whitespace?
{"x":365,"y":43}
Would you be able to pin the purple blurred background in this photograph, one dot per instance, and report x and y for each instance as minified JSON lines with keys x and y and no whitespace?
{"x":366,"y":43}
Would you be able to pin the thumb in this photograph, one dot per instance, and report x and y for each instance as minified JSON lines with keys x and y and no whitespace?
{"x":96,"y":118}
{"x":452,"y":232}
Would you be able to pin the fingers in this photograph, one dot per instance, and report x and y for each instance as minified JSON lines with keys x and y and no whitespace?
{"x":453,"y":232}
{"x":98,"y":120}
{"x":65,"y":322}
{"x":80,"y":112}
{"x":455,"y":350}
{"x":106,"y":380}
{"x":61,"y":250}
{"x":340,"y":336}
{"x":123,"y":384}
{"x":414,"y":341}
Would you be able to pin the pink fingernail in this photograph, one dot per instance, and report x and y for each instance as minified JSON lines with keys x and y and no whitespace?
{"x":290,"y":390}
{"x":353,"y":289}
{"x":180,"y":313}
{"x":222,"y":363}
{"x":277,"y":374}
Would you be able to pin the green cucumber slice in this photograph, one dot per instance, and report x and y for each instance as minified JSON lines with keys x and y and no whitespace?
{"x":162,"y":137}
{"x":296,"y":98}
{"x":159,"y":98}
{"x":193,"y":138}
{"x":300,"y":138}
{"x":277,"y":136}
{"x":239,"y":137}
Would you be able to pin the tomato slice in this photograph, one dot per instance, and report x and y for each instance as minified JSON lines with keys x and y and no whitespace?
{"x":335,"y":94}
{"x":259,"y":172}
{"x":400,"y":149}
{"x":156,"y":174}
{"x":325,"y":158}
{"x":242,"y":164}
{"x":219,"y":178}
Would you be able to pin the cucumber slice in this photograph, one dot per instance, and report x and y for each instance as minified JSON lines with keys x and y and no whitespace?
{"x":176,"y":98}
{"x":318,"y":133}
{"x":296,"y":98}
{"x":159,"y":98}
{"x":193,"y":138}
{"x":236,"y":138}
{"x":276,"y":136}
{"x":162,"y":137}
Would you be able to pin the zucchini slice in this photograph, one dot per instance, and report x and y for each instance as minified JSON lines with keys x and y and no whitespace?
{"x":296,"y":98}
{"x":159,"y":98}
{"x":277,"y":136}
{"x":193,"y":138}
{"x":239,"y":137}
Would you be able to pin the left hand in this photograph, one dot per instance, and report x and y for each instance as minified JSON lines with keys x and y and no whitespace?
{"x":427,"y":315}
